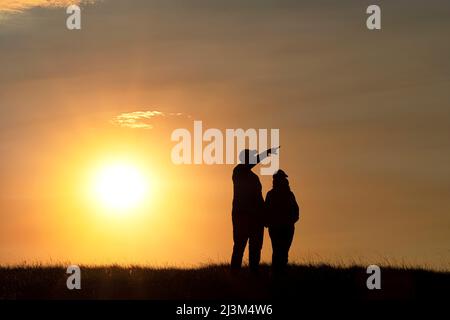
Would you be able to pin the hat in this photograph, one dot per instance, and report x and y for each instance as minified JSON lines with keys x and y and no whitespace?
{"x":280,"y":174}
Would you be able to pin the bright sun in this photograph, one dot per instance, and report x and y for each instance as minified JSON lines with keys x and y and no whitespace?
{"x":120,"y":187}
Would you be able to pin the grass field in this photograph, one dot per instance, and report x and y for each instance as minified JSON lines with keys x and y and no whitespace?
{"x":217,"y":282}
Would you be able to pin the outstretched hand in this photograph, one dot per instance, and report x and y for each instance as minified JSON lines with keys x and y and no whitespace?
{"x":273,"y":150}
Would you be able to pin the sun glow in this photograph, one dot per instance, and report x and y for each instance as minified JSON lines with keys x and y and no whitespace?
{"x":120,"y":187}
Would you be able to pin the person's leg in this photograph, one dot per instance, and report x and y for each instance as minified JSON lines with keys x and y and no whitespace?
{"x":240,"y":237}
{"x":274,"y":234}
{"x":255,"y":246}
{"x":287,"y":237}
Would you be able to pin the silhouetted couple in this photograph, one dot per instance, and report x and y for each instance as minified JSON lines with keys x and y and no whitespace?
{"x":250,"y":213}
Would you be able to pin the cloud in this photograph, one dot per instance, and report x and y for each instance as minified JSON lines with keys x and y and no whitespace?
{"x":141,"y":119}
{"x":22,"y":5}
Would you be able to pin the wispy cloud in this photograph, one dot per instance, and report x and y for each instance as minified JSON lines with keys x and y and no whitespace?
{"x":21,"y":5}
{"x":141,"y":119}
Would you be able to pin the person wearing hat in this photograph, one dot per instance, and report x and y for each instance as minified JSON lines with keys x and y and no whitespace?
{"x":282,"y":212}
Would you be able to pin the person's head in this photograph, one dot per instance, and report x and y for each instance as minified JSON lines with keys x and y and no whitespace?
{"x":247,"y":156}
{"x":280,"y":180}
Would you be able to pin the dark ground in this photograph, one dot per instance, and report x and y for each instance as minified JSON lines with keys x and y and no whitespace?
{"x":216,"y":282}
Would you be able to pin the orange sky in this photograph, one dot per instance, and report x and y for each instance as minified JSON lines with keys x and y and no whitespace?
{"x":363,"y":118}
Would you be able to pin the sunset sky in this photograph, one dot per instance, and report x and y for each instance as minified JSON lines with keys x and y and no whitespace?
{"x":364,"y":119}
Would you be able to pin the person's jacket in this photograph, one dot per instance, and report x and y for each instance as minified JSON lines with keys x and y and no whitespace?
{"x":247,"y":192}
{"x":281,"y":207}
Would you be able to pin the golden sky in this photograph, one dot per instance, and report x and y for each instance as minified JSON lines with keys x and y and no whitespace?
{"x":17,"y":6}
{"x":363,"y":117}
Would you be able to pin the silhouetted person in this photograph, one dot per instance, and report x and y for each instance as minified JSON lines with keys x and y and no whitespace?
{"x":282,"y":212}
{"x":248,"y":209}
